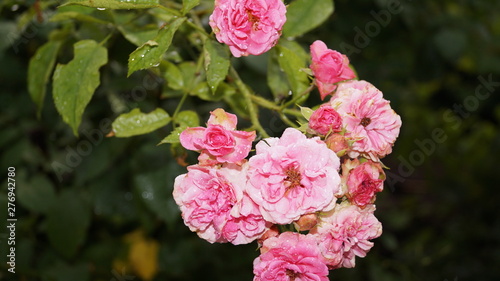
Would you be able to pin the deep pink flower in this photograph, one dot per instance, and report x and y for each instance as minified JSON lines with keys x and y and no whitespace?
{"x":219,"y":142}
{"x":368,"y":118}
{"x":292,"y":176}
{"x":363,"y":181}
{"x":214,"y":205}
{"x":344,"y":233}
{"x":325,"y":120}
{"x":248,"y":27}
{"x":290,"y":256}
{"x":329,"y":67}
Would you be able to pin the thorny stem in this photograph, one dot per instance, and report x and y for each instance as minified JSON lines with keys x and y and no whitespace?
{"x":248,"y":98}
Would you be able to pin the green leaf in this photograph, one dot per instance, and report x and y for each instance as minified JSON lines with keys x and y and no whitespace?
{"x":67,"y":222}
{"x":202,"y":91}
{"x":292,"y":65}
{"x":173,"y":137}
{"x":187,"y":5}
{"x":75,"y":83}
{"x":115,"y":4}
{"x":37,"y":195}
{"x":187,"y":118}
{"x":306,"y":112}
{"x":137,"y":123}
{"x":184,"y":119}
{"x":138,"y":35}
{"x":39,"y":70}
{"x":173,"y":75}
{"x":188,"y":70}
{"x":62,"y":271}
{"x":276,"y":77}
{"x":77,"y":16}
{"x":305,"y":15}
{"x":150,"y":53}
{"x":216,"y":63}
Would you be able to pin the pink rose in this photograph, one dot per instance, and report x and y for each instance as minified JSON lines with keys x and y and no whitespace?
{"x":214,"y":205}
{"x":219,"y":142}
{"x":292,"y":176}
{"x":290,"y":256}
{"x":248,"y":27}
{"x":344,"y":233}
{"x":329,"y":67}
{"x":363,"y":181}
{"x":325,"y":120}
{"x":369,"y":120}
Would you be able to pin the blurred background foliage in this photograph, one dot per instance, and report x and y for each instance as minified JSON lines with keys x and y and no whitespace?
{"x":110,"y":214}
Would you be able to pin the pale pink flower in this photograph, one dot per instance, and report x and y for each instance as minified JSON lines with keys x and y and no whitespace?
{"x":345,"y":233}
{"x":368,"y":118}
{"x":248,"y":27}
{"x":325,"y":120}
{"x":290,"y":256}
{"x":292,"y":176}
{"x":363,"y":181}
{"x":214,"y":205}
{"x":220,"y":142}
{"x":329,"y":67}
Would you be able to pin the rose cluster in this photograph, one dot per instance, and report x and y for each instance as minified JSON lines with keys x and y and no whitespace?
{"x":322,"y":180}
{"x":306,"y":197}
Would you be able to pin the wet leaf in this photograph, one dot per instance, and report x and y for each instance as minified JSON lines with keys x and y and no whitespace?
{"x":71,"y":95}
{"x":137,"y":123}
{"x":150,"y":53}
{"x":305,"y":15}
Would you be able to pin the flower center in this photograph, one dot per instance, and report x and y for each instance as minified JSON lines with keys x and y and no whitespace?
{"x":365,"y":121}
{"x":292,"y":274}
{"x":254,"y":20}
{"x":292,"y":178}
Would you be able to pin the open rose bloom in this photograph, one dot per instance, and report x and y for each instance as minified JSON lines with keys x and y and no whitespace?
{"x":214,"y":205}
{"x":292,"y":176}
{"x":368,"y":119}
{"x":248,"y":27}
{"x":290,"y":256}
{"x":345,"y":233}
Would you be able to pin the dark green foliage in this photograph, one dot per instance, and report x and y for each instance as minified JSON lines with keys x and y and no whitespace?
{"x":437,"y":62}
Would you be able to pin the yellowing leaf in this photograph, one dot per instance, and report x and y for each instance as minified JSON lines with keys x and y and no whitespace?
{"x":143,"y":254}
